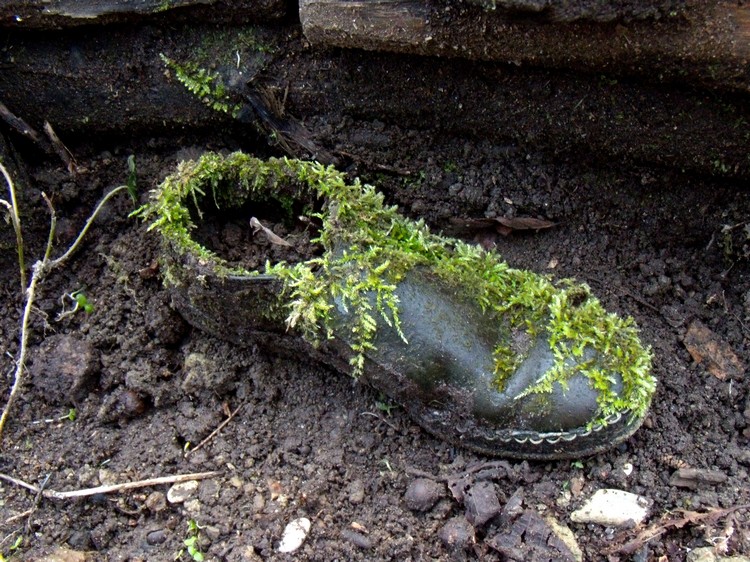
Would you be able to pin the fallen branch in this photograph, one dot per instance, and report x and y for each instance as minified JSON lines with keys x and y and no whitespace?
{"x":52,"y":494}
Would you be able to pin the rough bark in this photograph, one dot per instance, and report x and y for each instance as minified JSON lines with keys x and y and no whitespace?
{"x":113,"y":82}
{"x":51,"y":14}
{"x":709,"y":43}
{"x":592,"y":10}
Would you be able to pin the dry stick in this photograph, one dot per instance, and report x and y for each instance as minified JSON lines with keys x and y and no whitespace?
{"x":62,"y":151}
{"x":40,"y":269}
{"x":52,"y":494}
{"x":16,"y":220}
{"x":19,"y":124}
{"x":215,"y":431}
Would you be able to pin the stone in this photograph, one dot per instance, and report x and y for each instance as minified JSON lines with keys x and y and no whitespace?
{"x":182,"y":491}
{"x":156,"y":537}
{"x":613,"y":508}
{"x":294,"y":535}
{"x":65,"y":369}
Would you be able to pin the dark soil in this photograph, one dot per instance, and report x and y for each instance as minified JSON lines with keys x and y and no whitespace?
{"x":308,"y":442}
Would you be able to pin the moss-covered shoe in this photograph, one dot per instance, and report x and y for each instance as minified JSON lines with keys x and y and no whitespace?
{"x":499,"y":360}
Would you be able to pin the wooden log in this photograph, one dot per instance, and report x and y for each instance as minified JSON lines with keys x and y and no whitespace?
{"x":590,"y":10}
{"x":708,"y":43}
{"x":51,"y":14}
{"x":112,"y":81}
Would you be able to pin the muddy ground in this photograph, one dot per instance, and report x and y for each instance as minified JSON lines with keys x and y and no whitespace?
{"x":669,"y":248}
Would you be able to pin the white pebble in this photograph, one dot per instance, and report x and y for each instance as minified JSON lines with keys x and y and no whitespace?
{"x":612,"y":508}
{"x":182,"y":491}
{"x":294,"y":535}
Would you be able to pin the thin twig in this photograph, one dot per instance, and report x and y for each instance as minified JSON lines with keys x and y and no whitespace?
{"x":19,"y":125}
{"x":16,"y":220}
{"x":62,"y":151}
{"x":381,"y":418}
{"x":215,"y":431}
{"x":74,"y":246}
{"x":37,"y":501}
{"x":52,"y":494}
{"x":13,"y":518}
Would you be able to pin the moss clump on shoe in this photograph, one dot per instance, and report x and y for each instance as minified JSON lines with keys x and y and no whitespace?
{"x":354,"y":290}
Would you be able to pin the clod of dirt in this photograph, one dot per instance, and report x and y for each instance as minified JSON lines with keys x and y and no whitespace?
{"x":120,"y":406}
{"x":481,"y":503}
{"x":65,"y":369}
{"x":166,"y":325}
{"x":62,"y":554}
{"x":422,"y":494}
{"x":356,"y":492}
{"x":529,"y":537}
{"x":457,"y":533}
{"x":203,"y":373}
{"x":357,"y":539}
{"x":705,"y":345}
{"x":156,"y":502}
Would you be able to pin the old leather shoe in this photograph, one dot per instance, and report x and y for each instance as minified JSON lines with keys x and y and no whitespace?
{"x":495,"y":359}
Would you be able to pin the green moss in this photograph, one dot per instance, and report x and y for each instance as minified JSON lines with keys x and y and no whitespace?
{"x":208,"y":87}
{"x":369,"y":248}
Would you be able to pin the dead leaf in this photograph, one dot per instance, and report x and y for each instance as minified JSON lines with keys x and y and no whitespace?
{"x":705,"y":346}
{"x":667,"y":523}
{"x":504,"y":225}
{"x":272,"y":238}
{"x":524,"y":223}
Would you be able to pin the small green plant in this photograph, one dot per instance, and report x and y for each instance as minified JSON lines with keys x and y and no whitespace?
{"x":12,"y":549}
{"x":208,"y":86}
{"x":450,"y":167}
{"x":192,"y":543}
{"x":132,"y":183}
{"x":79,"y":302}
{"x":577,"y":464}
{"x":72,"y":414}
{"x":385,"y":406}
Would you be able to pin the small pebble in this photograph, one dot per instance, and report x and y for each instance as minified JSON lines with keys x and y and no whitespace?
{"x":182,"y":491}
{"x":422,"y":494}
{"x":156,"y":537}
{"x":156,"y":502}
{"x":457,"y":533}
{"x":613,"y":508}
{"x":294,"y":535}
